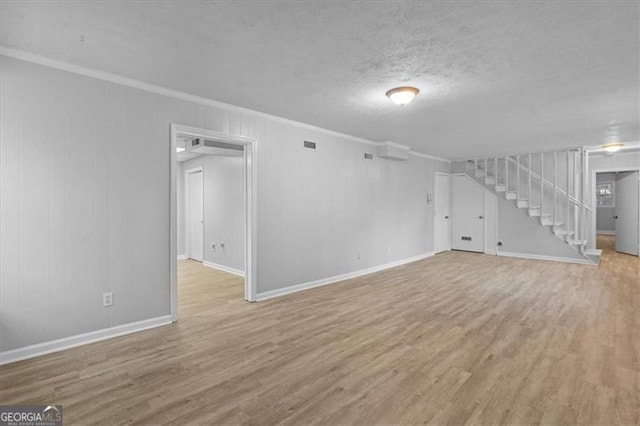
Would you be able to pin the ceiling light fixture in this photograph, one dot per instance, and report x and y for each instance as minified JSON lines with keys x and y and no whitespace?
{"x":402,"y":95}
{"x":613,"y":147}
{"x":179,"y":149}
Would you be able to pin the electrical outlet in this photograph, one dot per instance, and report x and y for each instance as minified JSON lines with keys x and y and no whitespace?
{"x":213,"y":246}
{"x":107,"y":299}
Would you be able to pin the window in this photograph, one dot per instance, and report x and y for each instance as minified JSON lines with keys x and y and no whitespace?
{"x":605,"y":194}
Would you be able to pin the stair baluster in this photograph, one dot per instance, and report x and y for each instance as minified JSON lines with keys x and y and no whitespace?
{"x":555,"y":188}
{"x":530,"y":194}
{"x":518,"y":178}
{"x":542,"y":187}
{"x":506,"y":173}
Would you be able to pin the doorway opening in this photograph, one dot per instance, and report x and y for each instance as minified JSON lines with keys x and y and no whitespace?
{"x":617,"y":206}
{"x":212,"y":212}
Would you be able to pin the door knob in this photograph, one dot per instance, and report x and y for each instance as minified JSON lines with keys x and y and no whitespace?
{"x":615,"y":217}
{"x":446,"y":217}
{"x":480,"y":217}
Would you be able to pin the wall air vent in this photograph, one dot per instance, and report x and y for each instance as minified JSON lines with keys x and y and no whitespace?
{"x":310,"y":145}
{"x":206,"y":146}
{"x":368,"y":156}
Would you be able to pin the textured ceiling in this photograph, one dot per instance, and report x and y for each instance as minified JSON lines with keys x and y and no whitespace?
{"x":495,"y":77}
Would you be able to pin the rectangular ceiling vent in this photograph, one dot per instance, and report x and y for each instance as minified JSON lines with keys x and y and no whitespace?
{"x":393,"y":151}
{"x":310,"y":145}
{"x":368,"y":156}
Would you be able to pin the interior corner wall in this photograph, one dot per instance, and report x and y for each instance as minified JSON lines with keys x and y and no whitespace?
{"x":223,"y":180}
{"x":84,"y":190}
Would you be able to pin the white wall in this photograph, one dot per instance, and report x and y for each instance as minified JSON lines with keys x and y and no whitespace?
{"x":223,"y":208}
{"x":85,"y":202}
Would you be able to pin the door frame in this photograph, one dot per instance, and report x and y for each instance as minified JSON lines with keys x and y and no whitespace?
{"x":250,"y":203}
{"x":434,"y":210}
{"x":594,"y":206}
{"x":187,"y":209}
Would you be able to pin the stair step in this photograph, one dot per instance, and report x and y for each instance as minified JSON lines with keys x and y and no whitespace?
{"x":511,"y":195}
{"x":501,"y":187}
{"x":480,"y":173}
{"x":490,"y":180}
{"x":535,"y":211}
{"x":547,"y":221}
{"x":594,"y":255}
{"x":563,"y":233}
{"x":522,"y":203}
{"x":577,"y":242}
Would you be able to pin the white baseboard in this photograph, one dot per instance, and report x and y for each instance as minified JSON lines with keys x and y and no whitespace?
{"x":543,"y":257}
{"x":606,"y":232}
{"x":182,"y":257}
{"x":337,"y":278}
{"x":224,"y":268}
{"x":80,"y":339}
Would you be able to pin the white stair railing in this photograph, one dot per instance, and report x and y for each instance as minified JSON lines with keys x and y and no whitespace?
{"x":571,"y":199}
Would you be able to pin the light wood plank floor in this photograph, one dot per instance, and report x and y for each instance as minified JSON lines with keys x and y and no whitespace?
{"x":457,"y":338}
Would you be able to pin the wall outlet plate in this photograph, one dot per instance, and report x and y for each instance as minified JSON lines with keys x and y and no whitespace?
{"x":107,"y":299}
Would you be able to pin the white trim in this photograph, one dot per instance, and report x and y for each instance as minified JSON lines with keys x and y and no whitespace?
{"x":430,"y":157}
{"x":182,"y":257}
{"x":81,"y":339}
{"x":594,"y":201}
{"x":176,"y":94}
{"x":223,"y":268}
{"x":599,"y":232}
{"x":250,"y":205}
{"x":337,"y":278}
{"x":543,"y":257}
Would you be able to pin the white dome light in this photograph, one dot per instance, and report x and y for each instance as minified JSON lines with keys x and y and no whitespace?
{"x":613,"y":147}
{"x":402,"y":95}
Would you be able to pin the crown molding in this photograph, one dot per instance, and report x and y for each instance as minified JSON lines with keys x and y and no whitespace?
{"x":176,"y":94}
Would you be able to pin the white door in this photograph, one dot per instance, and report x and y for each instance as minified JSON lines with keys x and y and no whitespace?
{"x":442,"y":213}
{"x":467,"y":214}
{"x":196,"y":216}
{"x":626,"y":216}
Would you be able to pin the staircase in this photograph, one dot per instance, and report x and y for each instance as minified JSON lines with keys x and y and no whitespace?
{"x":549,"y":186}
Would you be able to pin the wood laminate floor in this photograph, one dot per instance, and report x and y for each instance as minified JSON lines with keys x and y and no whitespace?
{"x":459,"y":338}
